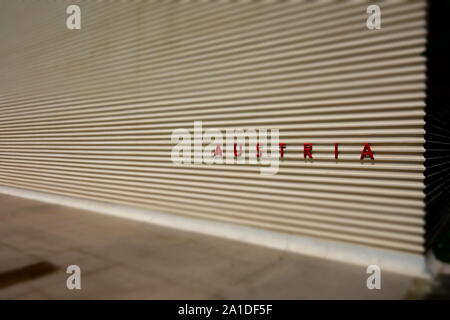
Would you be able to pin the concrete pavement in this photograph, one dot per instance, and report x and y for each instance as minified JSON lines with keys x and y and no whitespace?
{"x":125,"y":259}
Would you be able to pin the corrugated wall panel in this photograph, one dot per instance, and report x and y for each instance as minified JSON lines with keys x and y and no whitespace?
{"x":89,"y":113}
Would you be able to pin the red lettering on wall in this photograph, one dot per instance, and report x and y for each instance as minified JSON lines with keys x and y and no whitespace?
{"x":282,"y":147}
{"x":218,"y":151}
{"x":236,"y":154}
{"x":307,"y":150}
{"x":367,"y":152}
{"x":257,"y":151}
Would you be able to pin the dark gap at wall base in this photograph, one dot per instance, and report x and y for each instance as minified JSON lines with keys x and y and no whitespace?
{"x":437,"y":127}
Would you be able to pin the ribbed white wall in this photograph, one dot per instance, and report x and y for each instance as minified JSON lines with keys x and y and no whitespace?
{"x":89,"y":113}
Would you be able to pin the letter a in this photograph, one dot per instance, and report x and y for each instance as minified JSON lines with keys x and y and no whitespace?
{"x":367,"y":152}
{"x":374,"y":280}
{"x":374,"y":20}
{"x":73,"y":281}
{"x":74,"y":20}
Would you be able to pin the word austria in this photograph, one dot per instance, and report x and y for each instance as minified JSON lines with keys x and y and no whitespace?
{"x":241,"y":147}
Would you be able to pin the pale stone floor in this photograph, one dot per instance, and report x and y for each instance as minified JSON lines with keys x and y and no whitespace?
{"x":125,"y":259}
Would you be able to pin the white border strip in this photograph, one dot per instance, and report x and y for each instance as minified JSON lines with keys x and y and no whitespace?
{"x":398,"y":262}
